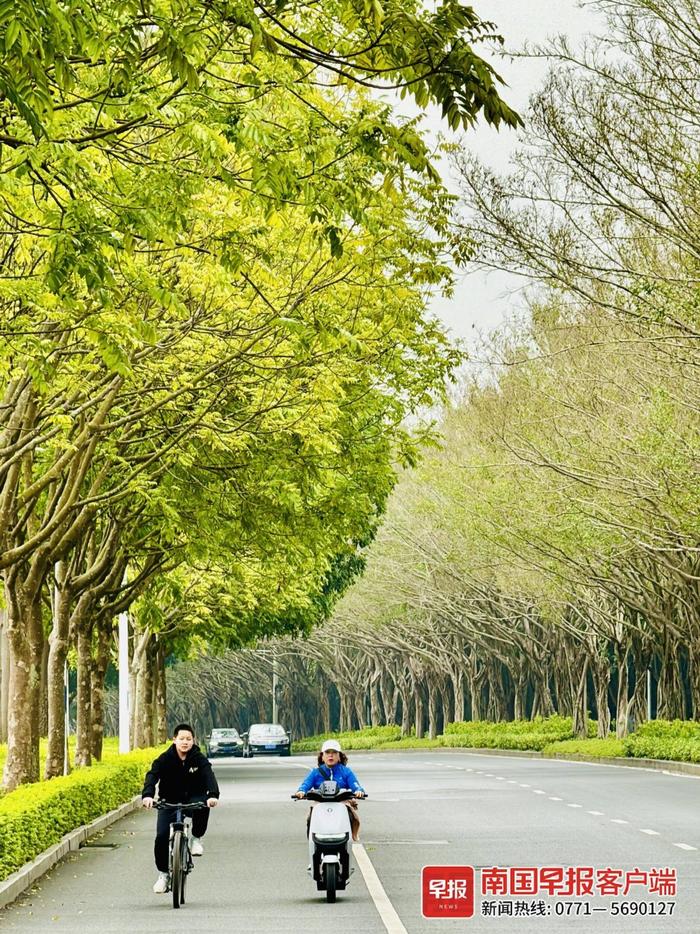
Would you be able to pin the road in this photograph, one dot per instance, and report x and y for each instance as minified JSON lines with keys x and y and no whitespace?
{"x":425,"y":808}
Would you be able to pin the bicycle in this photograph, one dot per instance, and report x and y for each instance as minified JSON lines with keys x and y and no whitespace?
{"x":179,"y":856}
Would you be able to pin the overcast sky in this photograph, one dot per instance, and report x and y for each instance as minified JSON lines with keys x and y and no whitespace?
{"x":482,"y":300}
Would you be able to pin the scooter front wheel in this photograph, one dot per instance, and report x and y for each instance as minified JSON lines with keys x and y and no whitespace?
{"x":330,"y":872}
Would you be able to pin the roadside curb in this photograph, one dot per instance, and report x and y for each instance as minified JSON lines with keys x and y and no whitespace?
{"x":12,"y":887}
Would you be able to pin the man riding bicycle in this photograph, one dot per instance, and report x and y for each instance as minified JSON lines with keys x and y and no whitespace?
{"x":183,"y":774}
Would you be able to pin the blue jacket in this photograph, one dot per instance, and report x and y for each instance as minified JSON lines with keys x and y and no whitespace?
{"x":341,"y":774}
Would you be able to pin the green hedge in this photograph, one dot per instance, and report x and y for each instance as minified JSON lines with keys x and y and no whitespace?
{"x":36,"y":816}
{"x":110,"y":748}
{"x":370,"y":738}
{"x":555,"y":726}
{"x":677,"y":740}
{"x":516,"y":734}
{"x":588,"y":748}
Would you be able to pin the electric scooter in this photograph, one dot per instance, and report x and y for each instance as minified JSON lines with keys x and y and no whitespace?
{"x":330,"y":844}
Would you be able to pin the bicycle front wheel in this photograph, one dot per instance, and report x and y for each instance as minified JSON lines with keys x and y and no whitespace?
{"x":179,"y":868}
{"x":185,"y":863}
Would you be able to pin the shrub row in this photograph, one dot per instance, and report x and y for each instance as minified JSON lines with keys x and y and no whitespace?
{"x":556,"y":726}
{"x":370,"y":738}
{"x":110,"y":748}
{"x":665,"y":739}
{"x":588,"y":748}
{"x":36,"y":816}
{"x":677,"y":740}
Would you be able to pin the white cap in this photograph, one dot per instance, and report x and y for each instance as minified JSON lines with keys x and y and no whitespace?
{"x":331,"y":744}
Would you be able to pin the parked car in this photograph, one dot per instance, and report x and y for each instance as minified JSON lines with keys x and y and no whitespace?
{"x":224,"y":741}
{"x":266,"y":739}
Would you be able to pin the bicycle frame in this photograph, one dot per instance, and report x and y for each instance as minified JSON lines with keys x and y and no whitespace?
{"x":179,"y":855}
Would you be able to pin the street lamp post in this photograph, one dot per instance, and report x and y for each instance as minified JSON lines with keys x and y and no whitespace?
{"x":274,"y":686}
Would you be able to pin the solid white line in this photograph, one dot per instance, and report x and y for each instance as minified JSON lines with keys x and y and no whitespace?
{"x":685,"y":846}
{"x":652,"y":833}
{"x":386,"y":910}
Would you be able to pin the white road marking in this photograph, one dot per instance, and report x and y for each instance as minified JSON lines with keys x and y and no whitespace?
{"x":574,"y":805}
{"x":596,"y":813}
{"x":386,"y":910}
{"x":618,"y":820}
{"x":652,"y":833}
{"x":412,"y":842}
{"x":523,"y":785}
{"x":553,"y":798}
{"x":538,"y":791}
{"x":685,"y":846}
{"x":500,"y":778}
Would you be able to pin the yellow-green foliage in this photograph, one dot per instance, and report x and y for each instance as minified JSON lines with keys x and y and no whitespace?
{"x":589,"y":748}
{"x":665,"y":739}
{"x":110,"y":748}
{"x":561,"y":726}
{"x":36,"y":816}
{"x":660,"y":739}
{"x":517,"y":734}
{"x":353,"y":739}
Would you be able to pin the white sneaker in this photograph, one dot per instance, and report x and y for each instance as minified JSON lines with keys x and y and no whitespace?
{"x":161,"y":883}
{"x":196,"y":849}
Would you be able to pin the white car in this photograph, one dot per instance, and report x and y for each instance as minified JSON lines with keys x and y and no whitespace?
{"x":269,"y":739}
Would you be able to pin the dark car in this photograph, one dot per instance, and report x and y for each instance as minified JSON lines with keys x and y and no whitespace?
{"x":224,"y":741}
{"x":269,"y":739}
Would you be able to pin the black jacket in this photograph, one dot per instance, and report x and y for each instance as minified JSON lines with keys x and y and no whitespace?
{"x":181,"y":780}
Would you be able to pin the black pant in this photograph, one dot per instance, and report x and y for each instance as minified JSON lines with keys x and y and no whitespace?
{"x":200,"y":819}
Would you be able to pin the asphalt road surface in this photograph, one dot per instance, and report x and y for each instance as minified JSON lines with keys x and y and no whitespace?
{"x":426,"y":808}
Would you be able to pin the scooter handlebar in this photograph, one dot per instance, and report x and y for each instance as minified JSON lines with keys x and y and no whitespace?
{"x":303,"y":797}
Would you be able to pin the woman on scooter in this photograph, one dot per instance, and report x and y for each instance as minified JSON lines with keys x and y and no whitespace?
{"x":332,"y":766}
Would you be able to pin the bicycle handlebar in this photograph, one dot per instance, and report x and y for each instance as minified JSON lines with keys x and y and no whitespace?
{"x":183,"y":806}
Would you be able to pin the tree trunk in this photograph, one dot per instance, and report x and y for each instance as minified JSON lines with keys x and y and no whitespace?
{"x":390,"y":699}
{"x":58,"y":652}
{"x":359,"y":705}
{"x":344,"y":712}
{"x":83,"y":749}
{"x":580,"y":724}
{"x":161,"y":699}
{"x":26,"y":641}
{"x":418,"y":710}
{"x":405,"y":712}
{"x":623,"y":698}
{"x":433,"y":696}
{"x":457,"y":679}
{"x":4,"y":676}
{"x":374,"y":701}
{"x":99,"y":670}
